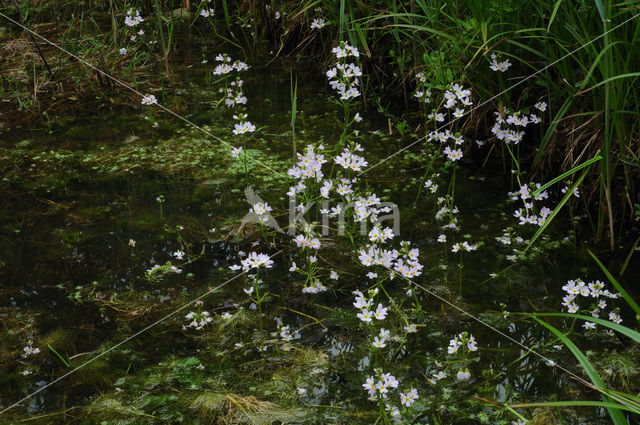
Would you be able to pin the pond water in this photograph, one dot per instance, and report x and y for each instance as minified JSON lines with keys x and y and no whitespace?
{"x":78,"y":190}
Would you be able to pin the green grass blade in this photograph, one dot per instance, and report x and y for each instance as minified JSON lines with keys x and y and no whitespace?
{"x":608,"y":80}
{"x":556,"y":210}
{"x":606,"y":323}
{"x":631,"y":251}
{"x":616,"y":415}
{"x":617,"y":285}
{"x":341,"y":26}
{"x":574,"y":403}
{"x":66,"y":363}
{"x":227,"y":17}
{"x":553,"y":13}
{"x":596,"y":158}
{"x":601,"y":9}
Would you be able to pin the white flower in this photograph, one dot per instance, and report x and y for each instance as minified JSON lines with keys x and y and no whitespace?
{"x":365,"y":315}
{"x":463,"y":375}
{"x":132,"y":243}
{"x":29,"y":350}
{"x":499,"y":66}
{"x":133,"y":18}
{"x":381,"y":312}
{"x":409,"y":398}
{"x":235,"y":152}
{"x":149,"y":99}
{"x":178,"y":254}
{"x":411,"y":328}
{"x":379,"y":342}
{"x":244,"y":127}
{"x":318,"y":23}
{"x":440,"y":375}
{"x":615,"y":317}
{"x":226,"y":315}
{"x":123,"y":51}
{"x":205,"y":13}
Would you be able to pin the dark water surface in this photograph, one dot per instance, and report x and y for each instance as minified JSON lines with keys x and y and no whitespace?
{"x":75,"y":193}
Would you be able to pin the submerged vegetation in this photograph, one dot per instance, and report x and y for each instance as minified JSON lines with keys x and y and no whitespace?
{"x":312,"y":212}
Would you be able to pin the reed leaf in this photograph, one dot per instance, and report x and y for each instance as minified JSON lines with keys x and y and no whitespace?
{"x":583,"y":403}
{"x":617,"y":285}
{"x":616,"y":415}
{"x":606,"y":323}
{"x":557,"y":209}
{"x":596,"y":158}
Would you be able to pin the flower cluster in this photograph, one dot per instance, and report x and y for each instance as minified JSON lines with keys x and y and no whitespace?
{"x":379,"y":387}
{"x":318,"y":23}
{"x":284,"y":332}
{"x":466,"y":246}
{"x":308,"y":241}
{"x":367,"y":313}
{"x":344,"y":77}
{"x":461,"y":346}
{"x":206,"y":11}
{"x":367,"y":208}
{"x":447,"y":212}
{"x":499,"y":66}
{"x":409,"y":398}
{"x":528,"y":194}
{"x":225,"y":66}
{"x":508,"y":124}
{"x":431,"y":185}
{"x":403,"y":262}
{"x":254,"y":261}
{"x":315,"y":287}
{"x":198,"y":319}
{"x":132,"y":30}
{"x":423,"y":93}
{"x":378,"y":235}
{"x":350,"y":160}
{"x":460,"y":341}
{"x":149,"y":100}
{"x":308,"y":167}
{"x":262,"y":210}
{"x":595,"y":292}
{"x":509,"y":237}
{"x":133,"y":18}
{"x":30,"y":350}
{"x":454,"y":100}
{"x":235,"y":95}
{"x":244,"y":127}
{"x":379,"y":384}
